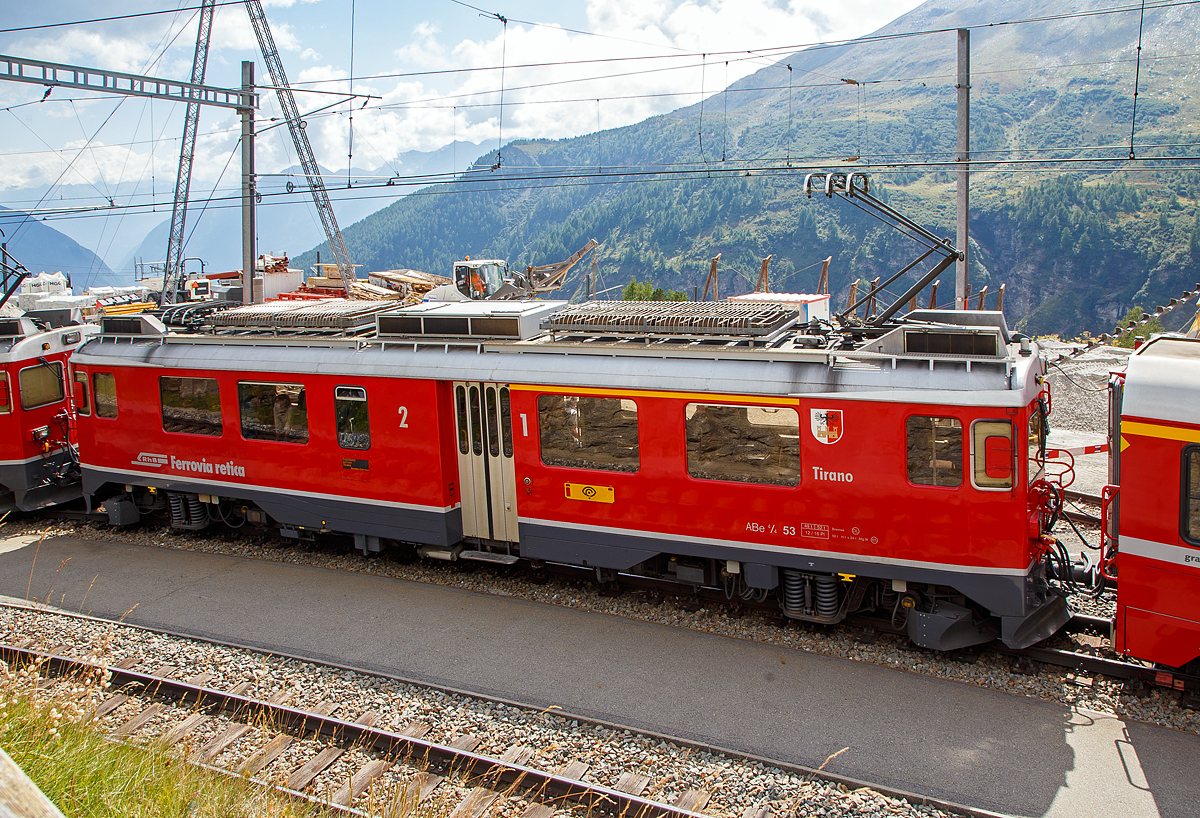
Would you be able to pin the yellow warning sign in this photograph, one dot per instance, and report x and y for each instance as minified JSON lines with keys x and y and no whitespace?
{"x":594,"y":494}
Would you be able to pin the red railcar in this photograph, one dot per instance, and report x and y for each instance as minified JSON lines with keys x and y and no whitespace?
{"x":38,"y":463}
{"x":1155,"y":466}
{"x":898,"y":472}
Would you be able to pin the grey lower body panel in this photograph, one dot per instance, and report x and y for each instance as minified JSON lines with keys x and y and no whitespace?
{"x":36,"y":484}
{"x":341,"y":514}
{"x":1000,"y":594}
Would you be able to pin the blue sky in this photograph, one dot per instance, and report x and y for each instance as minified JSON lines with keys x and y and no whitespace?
{"x":410,"y":112}
{"x":78,"y":148}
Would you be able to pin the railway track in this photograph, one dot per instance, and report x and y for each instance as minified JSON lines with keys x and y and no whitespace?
{"x":158,"y":705}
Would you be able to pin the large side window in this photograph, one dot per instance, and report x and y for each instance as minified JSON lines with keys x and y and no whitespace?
{"x":350,"y":411}
{"x":41,"y":385}
{"x":1191,"y":494}
{"x":588,"y":433}
{"x":745,"y":444}
{"x":935,"y":451}
{"x":83,"y":404}
{"x":5,"y":395}
{"x":190,"y":405}
{"x":273,"y":411}
{"x":104,"y":388}
{"x":992,"y":454}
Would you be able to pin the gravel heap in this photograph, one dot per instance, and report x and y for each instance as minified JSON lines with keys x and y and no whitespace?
{"x":1079,"y":384}
{"x":737,"y":785}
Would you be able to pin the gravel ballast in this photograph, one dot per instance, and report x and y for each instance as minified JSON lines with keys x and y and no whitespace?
{"x":737,"y":785}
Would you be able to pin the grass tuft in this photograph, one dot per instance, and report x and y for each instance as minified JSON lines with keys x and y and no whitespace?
{"x":49,"y":728}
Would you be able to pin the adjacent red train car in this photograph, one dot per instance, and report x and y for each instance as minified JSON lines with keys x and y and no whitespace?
{"x":899,"y":471}
{"x":38,"y":463}
{"x":1155,"y":467}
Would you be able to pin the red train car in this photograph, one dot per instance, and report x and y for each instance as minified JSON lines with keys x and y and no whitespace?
{"x":38,"y":462}
{"x":728,"y":445}
{"x":1155,"y":466}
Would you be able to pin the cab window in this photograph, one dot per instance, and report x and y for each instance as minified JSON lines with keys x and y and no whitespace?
{"x":5,"y":395}
{"x":41,"y":385}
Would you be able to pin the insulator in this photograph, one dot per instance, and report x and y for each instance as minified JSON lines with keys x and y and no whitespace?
{"x":794,"y":587}
{"x":827,"y":596}
{"x":197,"y":513}
{"x":178,"y":519}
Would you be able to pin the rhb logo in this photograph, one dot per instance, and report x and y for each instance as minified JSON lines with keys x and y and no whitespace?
{"x":827,"y":425}
{"x":154,"y":461}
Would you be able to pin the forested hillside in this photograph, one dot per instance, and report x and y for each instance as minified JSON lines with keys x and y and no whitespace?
{"x":1077,"y":243}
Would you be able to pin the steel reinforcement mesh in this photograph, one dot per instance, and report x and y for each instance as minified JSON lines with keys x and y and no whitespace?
{"x":673,"y":318}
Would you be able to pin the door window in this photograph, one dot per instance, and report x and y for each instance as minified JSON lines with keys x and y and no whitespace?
{"x":992,"y":454}
{"x":1191,"y":494}
{"x":350,"y":413}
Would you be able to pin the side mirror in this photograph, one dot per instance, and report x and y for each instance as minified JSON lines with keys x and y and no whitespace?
{"x":997,"y":457}
{"x":3,"y":394}
{"x":77,"y":394}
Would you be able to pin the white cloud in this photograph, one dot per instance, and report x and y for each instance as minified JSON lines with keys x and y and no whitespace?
{"x":427,"y":112}
{"x":560,"y":101}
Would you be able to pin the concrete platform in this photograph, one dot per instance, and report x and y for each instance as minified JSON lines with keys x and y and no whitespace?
{"x":951,"y":741}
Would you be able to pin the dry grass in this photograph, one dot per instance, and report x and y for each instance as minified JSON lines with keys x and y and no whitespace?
{"x":48,"y":727}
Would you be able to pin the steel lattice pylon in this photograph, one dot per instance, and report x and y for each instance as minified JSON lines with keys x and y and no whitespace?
{"x":296,"y":126}
{"x":173,"y":269}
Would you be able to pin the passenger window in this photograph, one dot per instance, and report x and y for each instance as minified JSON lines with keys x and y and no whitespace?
{"x":104,"y":388}
{"x":935,"y":451}
{"x":350,"y":412}
{"x":5,"y":400}
{"x":992,"y":454}
{"x":745,"y":444}
{"x":273,"y":411}
{"x":190,"y":406}
{"x":588,"y":433}
{"x":83,"y":405}
{"x":1191,"y":494}
{"x":41,"y":385}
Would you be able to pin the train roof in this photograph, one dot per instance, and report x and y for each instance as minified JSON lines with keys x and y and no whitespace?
{"x":1162,"y":381}
{"x":722,"y":347}
{"x":26,"y":338}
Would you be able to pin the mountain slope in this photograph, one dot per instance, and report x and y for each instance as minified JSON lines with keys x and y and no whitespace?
{"x":44,"y":249}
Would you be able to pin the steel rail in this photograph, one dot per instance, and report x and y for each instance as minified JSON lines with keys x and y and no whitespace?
{"x":487,"y":771}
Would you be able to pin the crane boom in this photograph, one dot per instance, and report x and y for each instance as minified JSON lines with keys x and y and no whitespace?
{"x":308,"y":162}
{"x":173,"y":269}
